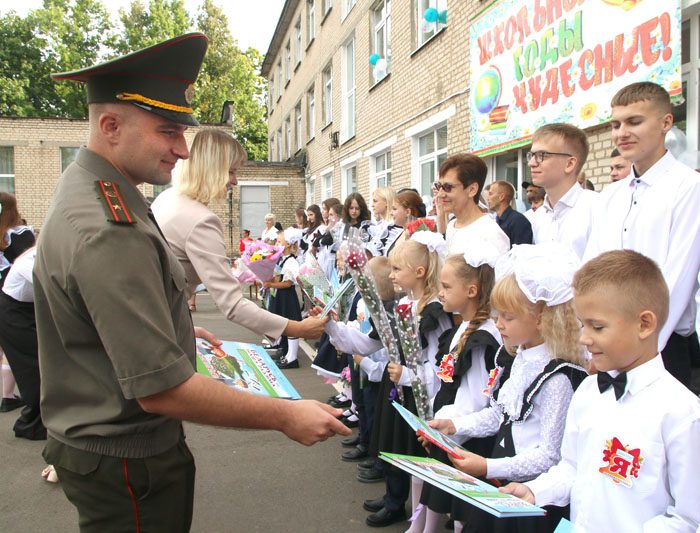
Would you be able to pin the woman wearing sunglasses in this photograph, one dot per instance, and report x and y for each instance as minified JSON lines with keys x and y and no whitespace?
{"x":458,"y":190}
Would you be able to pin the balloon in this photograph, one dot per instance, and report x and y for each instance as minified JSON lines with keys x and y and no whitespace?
{"x":487,"y":92}
{"x":373,"y":59}
{"x":442,"y":16}
{"x":382,"y":64}
{"x":676,"y":142}
{"x":431,"y":14}
{"x":379,"y":72}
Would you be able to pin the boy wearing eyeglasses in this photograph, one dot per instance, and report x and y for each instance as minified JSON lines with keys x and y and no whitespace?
{"x":558,"y":153}
{"x":654,"y":212}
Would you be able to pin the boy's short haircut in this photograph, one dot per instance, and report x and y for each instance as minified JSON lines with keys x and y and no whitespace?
{"x":381,"y":268}
{"x":643,"y":91}
{"x":572,"y":136}
{"x":636,"y":280}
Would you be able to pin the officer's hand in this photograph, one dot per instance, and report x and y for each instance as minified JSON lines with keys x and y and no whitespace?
{"x":519,"y":490}
{"x":207,"y":336}
{"x":313,"y":327}
{"x":309,"y":422}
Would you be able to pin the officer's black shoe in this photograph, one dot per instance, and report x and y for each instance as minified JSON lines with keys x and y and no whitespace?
{"x":384,"y":517}
{"x":350,"y":442}
{"x":358,"y":453}
{"x":373,"y":505}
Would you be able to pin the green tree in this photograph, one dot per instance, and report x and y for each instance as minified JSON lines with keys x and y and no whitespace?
{"x":228,"y":74}
{"x":143,"y":27}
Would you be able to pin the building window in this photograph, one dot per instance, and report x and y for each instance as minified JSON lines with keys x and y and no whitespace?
{"x":685,"y":116}
{"x":288,"y":136}
{"x":327,"y":95}
{"x":279,"y":145}
{"x":426,"y":27}
{"x":288,"y":60}
{"x":297,"y":125}
{"x":327,"y":184}
{"x":381,"y":39}
{"x":310,"y":21}
{"x":271,"y":91}
{"x":347,"y":5}
{"x":271,"y":155}
{"x":349,"y":183}
{"x":327,"y":5}
{"x":280,"y":82}
{"x":255,"y":204}
{"x":348,"y":80}
{"x":68,"y":155}
{"x":432,"y":151}
{"x":297,"y":42}
{"x":7,"y":169}
{"x":380,"y":169}
{"x":310,"y":113}
{"x":311,"y":190}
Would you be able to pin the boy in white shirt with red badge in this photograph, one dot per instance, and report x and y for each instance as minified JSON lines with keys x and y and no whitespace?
{"x":654,"y":212}
{"x":629,"y":458}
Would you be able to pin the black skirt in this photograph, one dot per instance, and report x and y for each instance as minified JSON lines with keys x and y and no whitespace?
{"x":328,"y":359}
{"x":285,"y":303}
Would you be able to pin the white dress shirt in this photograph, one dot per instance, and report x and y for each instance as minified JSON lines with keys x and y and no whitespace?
{"x":657,"y":416}
{"x":484,"y":228}
{"x":656,"y":214}
{"x":568,"y":221}
{"x":18,"y":283}
{"x":530,"y":215}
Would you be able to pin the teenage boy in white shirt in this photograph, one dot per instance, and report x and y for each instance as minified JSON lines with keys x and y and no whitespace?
{"x":558,"y":153}
{"x":654,"y":212}
{"x":629,"y":458}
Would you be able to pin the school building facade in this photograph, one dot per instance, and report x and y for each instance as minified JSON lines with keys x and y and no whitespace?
{"x":35,"y":151}
{"x":365,"y":93}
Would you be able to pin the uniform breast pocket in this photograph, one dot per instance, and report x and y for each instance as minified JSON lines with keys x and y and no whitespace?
{"x":637,"y":465}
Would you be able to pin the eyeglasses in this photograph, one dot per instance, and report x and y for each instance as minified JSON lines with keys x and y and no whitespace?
{"x":447,"y":187}
{"x":542,"y":155}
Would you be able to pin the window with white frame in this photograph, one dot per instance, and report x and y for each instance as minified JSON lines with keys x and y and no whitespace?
{"x":327,"y":95}
{"x":432,"y":151}
{"x":327,"y":184}
{"x":297,"y":126}
{"x":280,"y":82}
{"x":271,"y":154}
{"x":271,"y":91}
{"x":349,"y":183}
{"x":348,"y":81}
{"x":327,"y":5}
{"x":431,"y":17}
{"x":288,"y":136}
{"x":288,"y":60}
{"x":310,"y":113}
{"x":68,"y":155}
{"x":380,"y":170}
{"x":686,"y":115}
{"x":310,"y":190}
{"x":7,"y":169}
{"x":381,"y":39}
{"x":297,"y":42}
{"x":346,"y":5}
{"x":279,"y":144}
{"x":310,"y":20}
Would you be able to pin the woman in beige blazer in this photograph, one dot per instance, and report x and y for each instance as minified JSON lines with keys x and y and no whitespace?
{"x":196,"y":234}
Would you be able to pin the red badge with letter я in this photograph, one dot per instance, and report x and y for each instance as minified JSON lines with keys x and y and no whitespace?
{"x":623,"y":463}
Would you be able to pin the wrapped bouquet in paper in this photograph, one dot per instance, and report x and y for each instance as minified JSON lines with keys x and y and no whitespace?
{"x":356,"y":262}
{"x":409,"y":337}
{"x":242,"y":273}
{"x":260,"y":258}
{"x":312,"y":277}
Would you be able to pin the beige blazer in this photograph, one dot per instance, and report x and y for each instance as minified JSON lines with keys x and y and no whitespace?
{"x":196,"y":237}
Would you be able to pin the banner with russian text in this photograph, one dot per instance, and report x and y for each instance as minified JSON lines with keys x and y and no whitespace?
{"x":534,"y":62}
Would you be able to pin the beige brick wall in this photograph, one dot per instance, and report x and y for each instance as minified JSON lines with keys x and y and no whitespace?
{"x":37,"y":164}
{"x":422,"y":83}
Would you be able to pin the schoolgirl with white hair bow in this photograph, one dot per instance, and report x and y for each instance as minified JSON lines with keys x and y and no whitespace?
{"x":533,"y":298}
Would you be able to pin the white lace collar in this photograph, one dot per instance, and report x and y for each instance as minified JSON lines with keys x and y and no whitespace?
{"x":528,"y":364}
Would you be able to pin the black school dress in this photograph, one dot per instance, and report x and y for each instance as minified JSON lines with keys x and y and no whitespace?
{"x":434,"y":498}
{"x":330,"y":361}
{"x":285,"y":301}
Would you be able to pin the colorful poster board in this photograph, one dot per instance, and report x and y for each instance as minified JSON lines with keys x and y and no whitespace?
{"x":534,"y":62}
{"x":422,"y":428}
{"x":463,"y":486}
{"x":245,"y":367}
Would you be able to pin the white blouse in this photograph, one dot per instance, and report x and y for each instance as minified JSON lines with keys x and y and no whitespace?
{"x":482,"y":229}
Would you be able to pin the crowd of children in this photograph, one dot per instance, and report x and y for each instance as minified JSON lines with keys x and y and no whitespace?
{"x":562,"y":379}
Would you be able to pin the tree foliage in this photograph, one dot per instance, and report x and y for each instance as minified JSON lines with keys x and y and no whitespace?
{"x":66,"y":35}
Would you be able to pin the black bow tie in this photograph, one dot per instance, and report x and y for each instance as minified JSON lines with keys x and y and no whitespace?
{"x":618,"y":384}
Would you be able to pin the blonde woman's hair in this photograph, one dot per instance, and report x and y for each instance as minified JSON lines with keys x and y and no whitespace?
{"x":413,"y":255}
{"x":483,"y":276}
{"x":559,"y":326}
{"x":389,"y":196}
{"x":204,"y":176}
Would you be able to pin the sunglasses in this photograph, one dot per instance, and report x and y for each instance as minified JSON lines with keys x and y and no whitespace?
{"x":447,"y":187}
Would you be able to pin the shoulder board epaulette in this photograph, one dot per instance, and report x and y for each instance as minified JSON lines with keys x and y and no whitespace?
{"x":113,"y":201}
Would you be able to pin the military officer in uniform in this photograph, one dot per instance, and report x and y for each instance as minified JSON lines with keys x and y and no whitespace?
{"x":116,"y":341}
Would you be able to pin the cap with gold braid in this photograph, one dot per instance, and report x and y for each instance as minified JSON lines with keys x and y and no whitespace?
{"x":158,"y":79}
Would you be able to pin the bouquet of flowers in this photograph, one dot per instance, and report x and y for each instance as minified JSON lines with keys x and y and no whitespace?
{"x":312,"y":276}
{"x":260,"y":258}
{"x":356,"y":262}
{"x":242,"y":273}
{"x":407,"y":326}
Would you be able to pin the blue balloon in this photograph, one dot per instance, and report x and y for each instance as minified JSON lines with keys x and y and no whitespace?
{"x":487,"y":92}
{"x":373,"y":59}
{"x":431,"y":14}
{"x":442,"y":16}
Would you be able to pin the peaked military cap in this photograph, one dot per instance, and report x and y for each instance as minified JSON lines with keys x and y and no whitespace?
{"x":158,"y":78}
